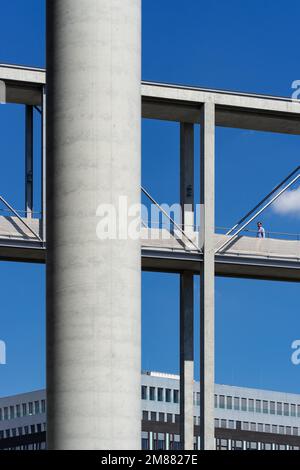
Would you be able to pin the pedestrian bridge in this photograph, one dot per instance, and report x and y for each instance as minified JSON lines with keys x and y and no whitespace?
{"x":245,"y":256}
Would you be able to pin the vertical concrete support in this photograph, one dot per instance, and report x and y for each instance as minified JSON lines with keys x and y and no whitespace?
{"x":207,"y":276}
{"x":187,"y":175}
{"x":187,"y":360}
{"x":93,"y":285}
{"x":28,"y":161}
{"x":187,"y":291}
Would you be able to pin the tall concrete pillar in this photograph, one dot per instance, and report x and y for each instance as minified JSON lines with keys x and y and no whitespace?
{"x":187,"y":291}
{"x":207,"y":276}
{"x":93,"y":285}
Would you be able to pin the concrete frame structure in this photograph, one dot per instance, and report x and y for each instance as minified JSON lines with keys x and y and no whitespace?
{"x":187,"y":105}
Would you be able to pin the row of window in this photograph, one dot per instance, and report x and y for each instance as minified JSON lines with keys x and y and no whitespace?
{"x":256,"y":427}
{"x":257,"y":406}
{"x":160,"y":394}
{"x":227,"y":444}
{"x":22,"y":431}
{"x":24,"y":409}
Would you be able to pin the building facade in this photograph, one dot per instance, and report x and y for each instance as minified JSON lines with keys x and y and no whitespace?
{"x":245,"y":418}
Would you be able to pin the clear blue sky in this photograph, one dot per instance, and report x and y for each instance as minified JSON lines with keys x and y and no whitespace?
{"x":247,"y":46}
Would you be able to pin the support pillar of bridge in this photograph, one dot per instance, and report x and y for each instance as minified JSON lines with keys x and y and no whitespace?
{"x":186,"y":422}
{"x":207,"y":275}
{"x":93,"y":284}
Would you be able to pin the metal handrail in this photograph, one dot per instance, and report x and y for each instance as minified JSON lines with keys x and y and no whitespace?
{"x":264,"y":200}
{"x":20,"y":218}
{"x":170,"y":218}
{"x":257,"y":214}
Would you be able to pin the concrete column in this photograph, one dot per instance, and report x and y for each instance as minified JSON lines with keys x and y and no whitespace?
{"x":186,"y":422}
{"x":28,"y":161}
{"x":207,"y":276}
{"x":93,"y":285}
{"x":187,"y":175}
{"x":187,"y":291}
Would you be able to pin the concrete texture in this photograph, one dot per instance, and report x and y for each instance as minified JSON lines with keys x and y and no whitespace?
{"x":93,"y":286}
{"x":207,"y":276}
{"x":186,"y":330}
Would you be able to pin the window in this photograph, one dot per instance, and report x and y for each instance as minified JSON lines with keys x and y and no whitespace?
{"x":229,"y":403}
{"x":177,"y":418}
{"x":1,"y":414}
{"x":145,"y":444}
{"x":161,"y":417}
{"x":286,"y":409}
{"x":274,"y":429}
{"x":295,"y":431}
{"x":24,"y":409}
{"x":44,"y":404}
{"x":144,"y":393}
{"x":222,"y":401}
{"x":279,"y":408}
{"x":20,"y":431}
{"x":160,"y":394}
{"x":169,"y":418}
{"x":145,"y":415}
{"x":288,"y":430}
{"x":258,"y":406}
{"x":30,"y":408}
{"x":251,"y":404}
{"x":26,"y":429}
{"x":216,"y":401}
{"x":281,"y":429}
{"x":272,"y":407}
{"x":195,"y":421}
{"x":14,"y":432}
{"x":253,"y":426}
{"x":32,"y":429}
{"x":217,"y":423}
{"x":244,"y":404}
{"x":12,"y":412}
{"x":267,"y":428}
{"x":153,"y":415}
{"x":231,"y":424}
{"x":293,"y":410}
{"x":245,"y":426}
{"x":223,"y":423}
{"x":176,"y":396}
{"x":298,"y":411}
{"x":37,"y":407}
{"x":236,"y":403}
{"x":7,"y":433}
{"x":152,"y":393}
{"x":198,"y":398}
{"x":265,"y":406}
{"x":18,"y":411}
{"x":168,"y":395}
{"x":5,"y":413}
{"x":260,"y":427}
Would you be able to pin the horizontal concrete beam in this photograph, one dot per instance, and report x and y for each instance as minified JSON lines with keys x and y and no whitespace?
{"x":236,"y":110}
{"x":177,"y":103}
{"x":23,"y":84}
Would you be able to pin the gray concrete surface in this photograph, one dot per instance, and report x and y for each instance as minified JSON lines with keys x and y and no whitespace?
{"x":93,"y":286}
{"x":186,"y":330}
{"x":207,"y":276}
